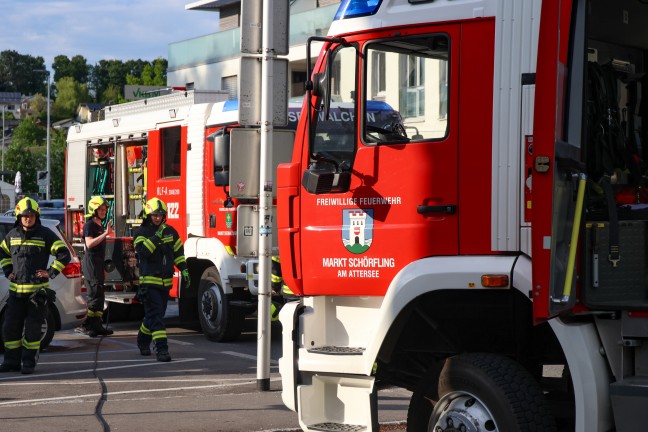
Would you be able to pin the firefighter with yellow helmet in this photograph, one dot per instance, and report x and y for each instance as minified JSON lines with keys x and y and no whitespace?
{"x":159,"y":249}
{"x":24,"y":257}
{"x":94,"y":238}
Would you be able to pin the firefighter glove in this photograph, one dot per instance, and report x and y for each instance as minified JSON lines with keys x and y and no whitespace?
{"x":141,"y":294}
{"x":185,"y":277}
{"x":39,"y":298}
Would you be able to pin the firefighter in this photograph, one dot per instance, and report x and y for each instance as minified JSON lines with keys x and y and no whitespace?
{"x":24,"y":254}
{"x":280,"y":291}
{"x":159,"y":249}
{"x":94,"y":237}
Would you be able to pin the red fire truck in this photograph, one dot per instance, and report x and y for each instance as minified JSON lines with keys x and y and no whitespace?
{"x":177,"y":147}
{"x":488,"y":251}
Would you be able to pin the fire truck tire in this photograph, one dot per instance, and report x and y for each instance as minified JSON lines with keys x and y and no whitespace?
{"x":48,"y":329}
{"x":220,"y":322}
{"x":488,"y":390}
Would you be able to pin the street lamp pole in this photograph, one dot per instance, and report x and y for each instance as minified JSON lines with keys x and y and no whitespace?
{"x":47,"y":167}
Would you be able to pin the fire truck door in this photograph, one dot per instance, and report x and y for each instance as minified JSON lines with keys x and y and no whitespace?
{"x":557,"y":178}
{"x":401,"y":205}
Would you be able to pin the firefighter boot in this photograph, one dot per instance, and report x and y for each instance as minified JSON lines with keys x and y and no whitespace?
{"x":29,"y":359}
{"x":162,"y":351}
{"x":97,"y":328}
{"x":11,"y":361}
{"x":144,"y":343}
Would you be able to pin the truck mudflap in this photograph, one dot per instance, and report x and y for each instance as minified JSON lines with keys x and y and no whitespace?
{"x":289,"y":317}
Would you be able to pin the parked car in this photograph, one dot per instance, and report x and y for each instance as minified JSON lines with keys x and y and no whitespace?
{"x":53,"y":203}
{"x":52,"y":212}
{"x":70,"y":307}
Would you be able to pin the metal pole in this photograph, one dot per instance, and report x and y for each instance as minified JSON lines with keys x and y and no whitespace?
{"x":3,"y":139}
{"x":265,"y":201}
{"x":47,"y":168}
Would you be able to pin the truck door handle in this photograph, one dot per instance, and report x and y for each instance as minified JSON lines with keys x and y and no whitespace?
{"x":447,"y":209}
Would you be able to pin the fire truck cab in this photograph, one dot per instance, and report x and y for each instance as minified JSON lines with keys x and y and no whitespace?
{"x":486,"y":248}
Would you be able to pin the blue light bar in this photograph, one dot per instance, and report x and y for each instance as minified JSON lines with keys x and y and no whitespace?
{"x":357,"y":8}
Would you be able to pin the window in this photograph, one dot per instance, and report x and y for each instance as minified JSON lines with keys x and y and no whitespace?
{"x":412,"y":103}
{"x":378,"y":69}
{"x":171,"y":155}
{"x":230,"y":85}
{"x":406,"y":83}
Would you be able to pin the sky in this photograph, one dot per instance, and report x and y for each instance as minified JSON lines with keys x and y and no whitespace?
{"x":99,"y":29}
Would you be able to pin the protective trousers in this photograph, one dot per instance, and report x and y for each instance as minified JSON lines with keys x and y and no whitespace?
{"x":93,"y":273}
{"x":153,"y":328}
{"x":22,"y":331}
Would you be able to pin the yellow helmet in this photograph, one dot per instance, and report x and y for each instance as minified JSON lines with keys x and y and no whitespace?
{"x":155,"y":206}
{"x":94,"y":203}
{"x":27,"y":206}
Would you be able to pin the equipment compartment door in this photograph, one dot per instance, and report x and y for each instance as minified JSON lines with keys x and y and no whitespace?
{"x":556,"y":155}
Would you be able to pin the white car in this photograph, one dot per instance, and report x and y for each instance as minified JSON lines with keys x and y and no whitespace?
{"x":70,"y":308}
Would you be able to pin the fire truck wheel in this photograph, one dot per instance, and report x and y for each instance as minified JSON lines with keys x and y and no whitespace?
{"x":488,"y":392}
{"x":219,"y":321}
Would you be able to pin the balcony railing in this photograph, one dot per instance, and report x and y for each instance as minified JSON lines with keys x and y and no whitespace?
{"x":217,"y":47}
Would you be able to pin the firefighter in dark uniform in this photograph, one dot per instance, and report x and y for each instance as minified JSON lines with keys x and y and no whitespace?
{"x":94,"y":237}
{"x":159,"y":249}
{"x":24,"y":255}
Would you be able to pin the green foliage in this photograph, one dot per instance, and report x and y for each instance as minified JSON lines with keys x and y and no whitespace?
{"x":152,"y":75}
{"x":76,"y":68}
{"x":29,"y":134}
{"x":38,"y":105}
{"x":113,"y":95}
{"x":17,"y":73}
{"x":69,"y":95}
{"x":26,"y":153}
{"x":57,"y":163}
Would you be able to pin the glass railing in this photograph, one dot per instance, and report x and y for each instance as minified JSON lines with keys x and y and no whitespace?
{"x":216,"y":47}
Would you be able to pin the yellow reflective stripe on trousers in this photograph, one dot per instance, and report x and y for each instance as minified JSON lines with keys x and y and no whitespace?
{"x":160,"y":334}
{"x":93,"y":313}
{"x":145,"y":330}
{"x":26,"y":288}
{"x":154,"y":280}
{"x":31,"y":345}
{"x":13,"y":344}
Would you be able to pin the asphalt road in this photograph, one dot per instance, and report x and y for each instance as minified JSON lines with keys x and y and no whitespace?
{"x":101,"y":385}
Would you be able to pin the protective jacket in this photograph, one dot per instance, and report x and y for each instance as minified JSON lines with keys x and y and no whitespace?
{"x":158,"y":254}
{"x":30,"y":251}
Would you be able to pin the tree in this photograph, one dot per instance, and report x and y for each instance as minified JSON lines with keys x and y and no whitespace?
{"x":154,"y":74}
{"x":76,"y":68}
{"x":69,"y":95}
{"x":17,"y":73}
{"x":57,"y":163}
{"x":25,"y":154}
{"x":38,"y":105}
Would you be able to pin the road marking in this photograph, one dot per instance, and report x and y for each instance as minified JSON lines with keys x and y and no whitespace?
{"x":151,"y":363}
{"x":246,"y":356}
{"x":91,"y":395}
{"x":121,"y":381}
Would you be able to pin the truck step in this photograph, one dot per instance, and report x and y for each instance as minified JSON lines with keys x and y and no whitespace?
{"x":336,"y":427}
{"x":629,"y":400}
{"x":336,"y":350}
{"x":121,"y":297}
